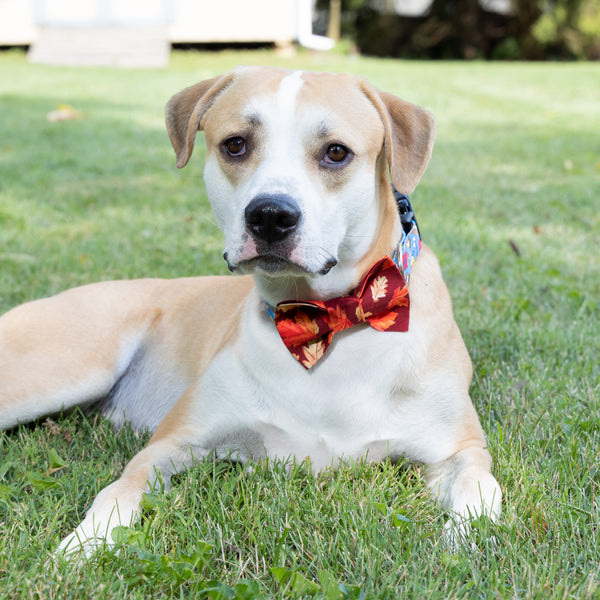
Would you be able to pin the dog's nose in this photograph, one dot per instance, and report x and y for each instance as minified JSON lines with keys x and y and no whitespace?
{"x":271,"y":219}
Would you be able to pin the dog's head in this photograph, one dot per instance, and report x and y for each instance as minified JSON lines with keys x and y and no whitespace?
{"x":297,"y":172}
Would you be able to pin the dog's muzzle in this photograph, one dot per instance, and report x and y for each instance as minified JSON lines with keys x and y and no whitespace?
{"x":273,"y":222}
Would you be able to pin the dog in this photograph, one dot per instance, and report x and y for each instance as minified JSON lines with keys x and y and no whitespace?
{"x":298,"y":171}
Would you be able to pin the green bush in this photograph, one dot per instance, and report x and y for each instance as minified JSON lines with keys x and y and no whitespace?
{"x":571,"y":34}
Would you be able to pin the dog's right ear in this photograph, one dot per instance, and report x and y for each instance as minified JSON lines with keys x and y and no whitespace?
{"x":184,"y":114}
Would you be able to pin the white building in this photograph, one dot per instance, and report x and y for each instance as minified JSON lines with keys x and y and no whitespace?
{"x":140,"y":32}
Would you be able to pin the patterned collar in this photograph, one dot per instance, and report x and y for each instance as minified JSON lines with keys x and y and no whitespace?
{"x":410,"y":243}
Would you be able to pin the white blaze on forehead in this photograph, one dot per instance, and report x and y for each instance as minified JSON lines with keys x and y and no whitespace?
{"x":279,"y":172}
{"x":288,"y":91}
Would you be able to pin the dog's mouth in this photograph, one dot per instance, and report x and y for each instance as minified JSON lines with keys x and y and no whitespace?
{"x":274,"y":264}
{"x":271,"y":264}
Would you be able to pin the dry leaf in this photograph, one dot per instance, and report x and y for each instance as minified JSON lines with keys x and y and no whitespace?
{"x":63,"y":112}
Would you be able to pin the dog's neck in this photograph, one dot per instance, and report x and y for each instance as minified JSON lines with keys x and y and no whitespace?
{"x":344,"y":277}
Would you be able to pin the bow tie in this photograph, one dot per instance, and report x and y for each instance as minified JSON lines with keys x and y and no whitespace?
{"x":381,"y":300}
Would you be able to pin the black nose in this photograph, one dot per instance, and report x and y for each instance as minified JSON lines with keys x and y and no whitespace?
{"x":272,"y":219}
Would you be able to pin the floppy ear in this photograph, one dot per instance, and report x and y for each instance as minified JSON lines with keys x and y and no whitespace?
{"x":184,"y":114}
{"x":409,"y":135}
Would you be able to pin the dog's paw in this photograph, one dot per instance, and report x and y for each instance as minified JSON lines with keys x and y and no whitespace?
{"x":78,"y":545}
{"x":457,"y":535}
{"x":89,"y":537}
{"x":470,"y":534}
{"x":473,"y":499}
{"x":108,"y":511}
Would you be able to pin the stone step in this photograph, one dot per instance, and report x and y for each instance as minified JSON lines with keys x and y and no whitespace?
{"x":133,"y":47}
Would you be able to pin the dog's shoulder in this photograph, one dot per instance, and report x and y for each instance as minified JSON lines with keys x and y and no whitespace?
{"x":432,"y":318}
{"x":428,"y":291}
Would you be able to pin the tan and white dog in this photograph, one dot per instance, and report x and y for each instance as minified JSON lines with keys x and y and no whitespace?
{"x":297,"y":171}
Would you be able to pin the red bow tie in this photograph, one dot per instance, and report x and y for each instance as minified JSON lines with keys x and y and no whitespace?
{"x":381,"y":300}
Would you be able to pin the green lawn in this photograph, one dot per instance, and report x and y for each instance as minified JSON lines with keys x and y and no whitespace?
{"x":509,"y":203}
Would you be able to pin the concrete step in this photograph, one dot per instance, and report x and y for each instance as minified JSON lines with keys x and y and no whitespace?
{"x":132,"y":47}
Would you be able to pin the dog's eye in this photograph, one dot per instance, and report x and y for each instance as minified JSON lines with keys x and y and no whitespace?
{"x":235,"y":146}
{"x":335,"y":153}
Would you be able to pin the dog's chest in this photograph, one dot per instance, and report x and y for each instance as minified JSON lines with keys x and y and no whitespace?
{"x":326,"y":423}
{"x":345,"y":407}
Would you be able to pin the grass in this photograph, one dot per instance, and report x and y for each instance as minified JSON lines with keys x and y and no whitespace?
{"x":510,"y":205}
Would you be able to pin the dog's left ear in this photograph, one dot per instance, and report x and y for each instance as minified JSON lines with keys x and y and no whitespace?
{"x":409,"y":135}
{"x":184,"y":114}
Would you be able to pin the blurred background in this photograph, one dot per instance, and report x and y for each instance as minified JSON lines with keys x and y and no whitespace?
{"x":141,"y":33}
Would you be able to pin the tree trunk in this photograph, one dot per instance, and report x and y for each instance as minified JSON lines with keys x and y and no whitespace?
{"x":334,"y":28}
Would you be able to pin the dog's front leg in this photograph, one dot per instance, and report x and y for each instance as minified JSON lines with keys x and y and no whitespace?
{"x":465,"y":486}
{"x":119,"y":503}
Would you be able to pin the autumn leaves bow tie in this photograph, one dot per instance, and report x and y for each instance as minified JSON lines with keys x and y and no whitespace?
{"x":381,"y":300}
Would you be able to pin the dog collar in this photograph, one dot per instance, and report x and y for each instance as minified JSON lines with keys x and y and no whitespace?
{"x":381,"y":300}
{"x":409,"y":245}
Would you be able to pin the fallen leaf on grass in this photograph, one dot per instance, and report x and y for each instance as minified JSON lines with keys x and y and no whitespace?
{"x":54,"y":429}
{"x":63,"y":112}
{"x":515,"y":248}
{"x":52,"y":426}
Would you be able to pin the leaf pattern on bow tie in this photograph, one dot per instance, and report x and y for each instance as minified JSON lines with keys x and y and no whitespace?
{"x":313,"y":351}
{"x":361,"y":315}
{"x":299,"y":330}
{"x":338,"y":320}
{"x":379,"y":288}
{"x":384,"y":322}
{"x":399,"y":298}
